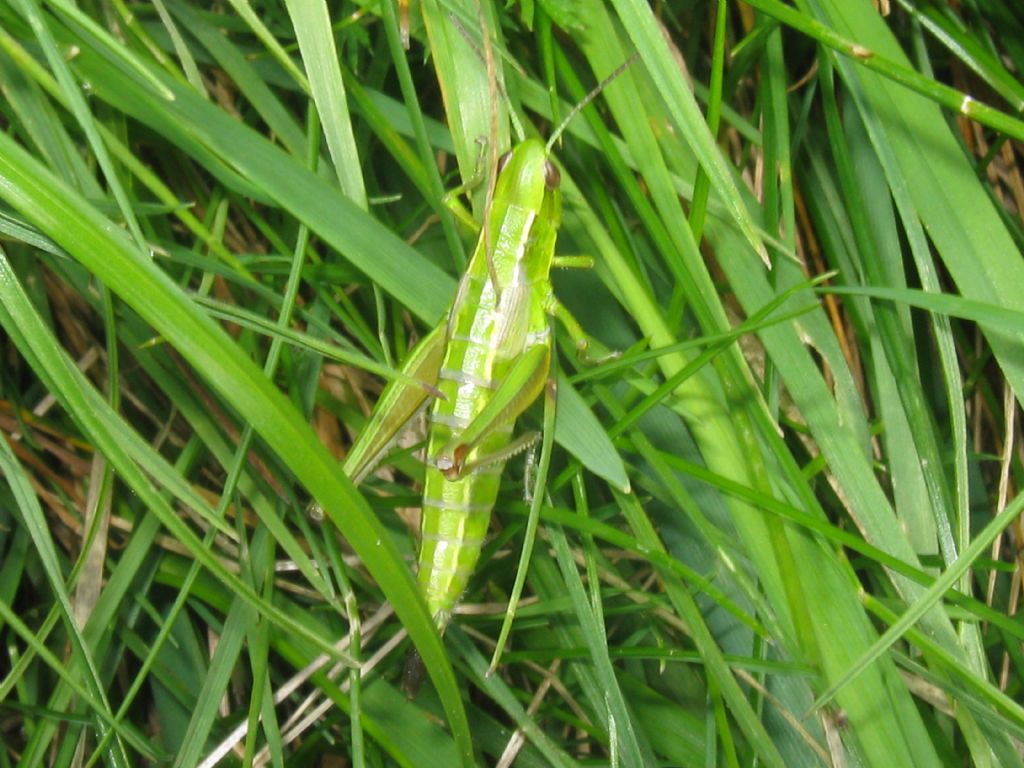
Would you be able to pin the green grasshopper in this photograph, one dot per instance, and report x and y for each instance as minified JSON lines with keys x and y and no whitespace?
{"x":488,"y":363}
{"x":485,"y":366}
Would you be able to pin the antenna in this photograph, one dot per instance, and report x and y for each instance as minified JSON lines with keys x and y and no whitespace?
{"x":586,"y":100}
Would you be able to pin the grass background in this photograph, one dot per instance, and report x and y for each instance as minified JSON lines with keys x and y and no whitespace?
{"x":223,"y":226}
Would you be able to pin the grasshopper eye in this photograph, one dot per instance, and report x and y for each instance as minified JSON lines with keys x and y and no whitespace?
{"x":552,"y":176}
{"x":503,"y":160}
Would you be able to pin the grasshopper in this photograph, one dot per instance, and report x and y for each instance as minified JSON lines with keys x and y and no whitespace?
{"x":484,"y":366}
{"x":487,"y":364}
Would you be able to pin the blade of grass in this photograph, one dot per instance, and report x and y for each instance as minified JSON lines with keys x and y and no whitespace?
{"x":316,"y":42}
{"x":640,"y":24}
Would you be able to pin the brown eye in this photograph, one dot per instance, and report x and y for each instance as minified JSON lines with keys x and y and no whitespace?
{"x":503,"y":161}
{"x":552,"y":176}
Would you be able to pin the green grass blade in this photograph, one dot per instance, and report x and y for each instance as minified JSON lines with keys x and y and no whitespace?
{"x":316,"y":43}
{"x":639,"y":21}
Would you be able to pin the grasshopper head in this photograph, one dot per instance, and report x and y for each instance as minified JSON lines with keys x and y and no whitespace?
{"x":526,"y":176}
